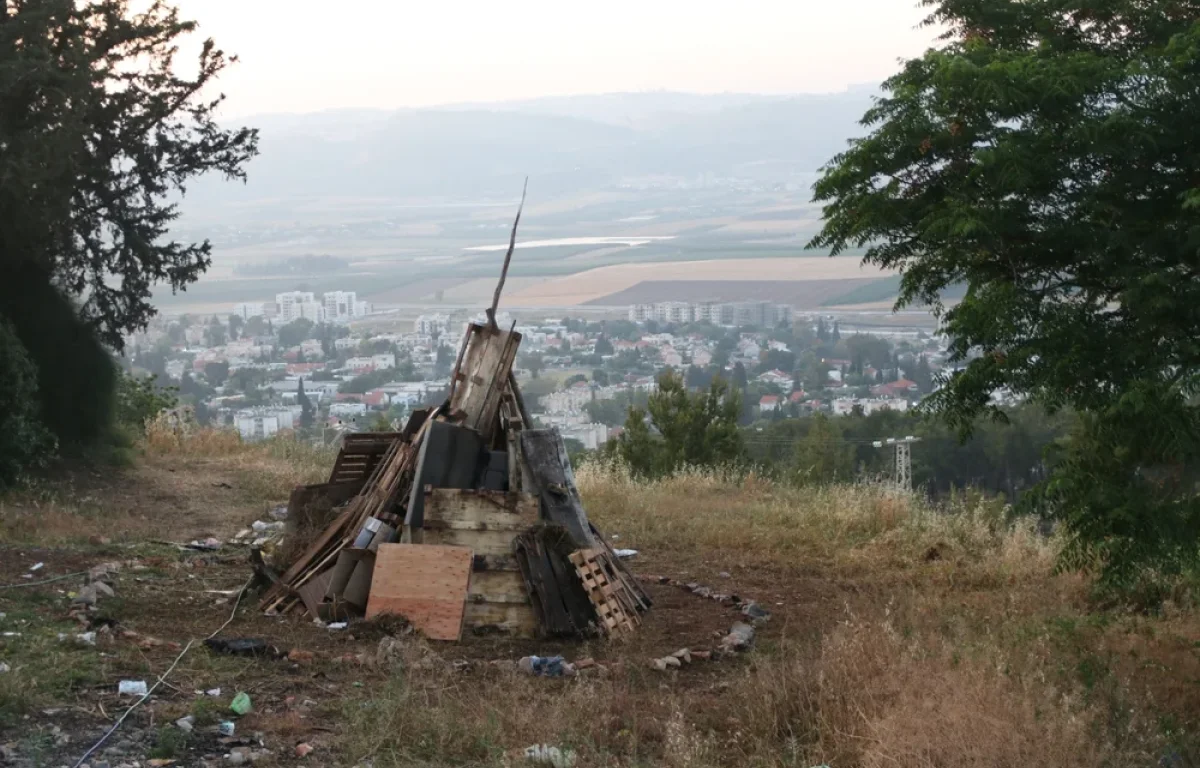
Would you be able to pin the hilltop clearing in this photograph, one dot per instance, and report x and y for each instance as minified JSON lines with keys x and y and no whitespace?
{"x":899,"y":635}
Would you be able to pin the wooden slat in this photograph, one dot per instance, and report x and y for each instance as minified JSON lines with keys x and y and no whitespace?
{"x":486,"y":361}
{"x":614,"y":608}
{"x":516,"y":620}
{"x":426,"y":584}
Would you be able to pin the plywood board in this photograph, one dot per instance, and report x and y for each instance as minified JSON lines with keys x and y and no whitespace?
{"x":426,"y":584}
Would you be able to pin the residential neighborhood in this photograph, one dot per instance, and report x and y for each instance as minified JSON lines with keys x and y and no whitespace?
{"x":324,"y":365}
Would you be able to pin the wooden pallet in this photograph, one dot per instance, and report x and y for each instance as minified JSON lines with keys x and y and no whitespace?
{"x":360,"y":454}
{"x":615,"y":607}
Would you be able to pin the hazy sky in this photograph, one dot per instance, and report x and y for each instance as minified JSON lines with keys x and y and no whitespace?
{"x":305,"y":55}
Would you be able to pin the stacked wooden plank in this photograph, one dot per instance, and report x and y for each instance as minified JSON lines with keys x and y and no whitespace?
{"x":469,"y":479}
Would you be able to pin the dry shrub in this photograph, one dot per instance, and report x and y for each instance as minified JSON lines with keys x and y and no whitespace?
{"x":860,"y":527}
{"x":868,"y":697}
{"x":166,"y":438}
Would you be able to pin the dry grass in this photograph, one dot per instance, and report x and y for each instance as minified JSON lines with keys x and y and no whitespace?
{"x":947,"y":639}
{"x":904,"y":635}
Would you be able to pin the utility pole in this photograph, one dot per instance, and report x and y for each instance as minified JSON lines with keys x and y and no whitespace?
{"x":903,"y":475}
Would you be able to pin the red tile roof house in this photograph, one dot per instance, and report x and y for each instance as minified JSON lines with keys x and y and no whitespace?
{"x":769,"y":403}
{"x":894,"y":388}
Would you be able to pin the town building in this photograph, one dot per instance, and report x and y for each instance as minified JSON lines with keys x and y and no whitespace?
{"x":436,"y":324}
{"x":342,"y":306}
{"x":296,"y":305}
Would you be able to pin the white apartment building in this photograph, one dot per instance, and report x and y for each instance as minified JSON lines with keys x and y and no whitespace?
{"x":256,"y":309}
{"x":374,"y":362}
{"x":341,"y":306}
{"x":435,"y":324}
{"x":295,"y":305}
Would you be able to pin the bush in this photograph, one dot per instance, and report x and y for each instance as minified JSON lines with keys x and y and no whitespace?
{"x":139,"y":400}
{"x":24,"y":441}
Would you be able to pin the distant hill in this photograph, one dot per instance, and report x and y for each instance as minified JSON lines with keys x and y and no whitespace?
{"x":568,"y":144}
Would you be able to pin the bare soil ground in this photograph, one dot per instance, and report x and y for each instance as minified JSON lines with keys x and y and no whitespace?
{"x":800,"y":294}
{"x":593,"y":284}
{"x":899,"y":636}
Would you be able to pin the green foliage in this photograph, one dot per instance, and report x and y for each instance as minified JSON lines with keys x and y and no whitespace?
{"x":697,"y":429}
{"x":99,"y":132}
{"x":822,"y":457}
{"x":574,"y":379}
{"x":615,"y":410}
{"x":293,"y":333}
{"x":24,"y":442}
{"x":141,"y":399}
{"x":533,"y":363}
{"x":365,"y":383}
{"x":76,"y":376}
{"x":1046,"y":157}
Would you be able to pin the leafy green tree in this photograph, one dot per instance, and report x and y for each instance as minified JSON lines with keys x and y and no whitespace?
{"x":1046,"y":157}
{"x":24,"y":441}
{"x":140,"y":399}
{"x":693,"y":429}
{"x":603,"y":345}
{"x":533,"y":362}
{"x":600,"y":377}
{"x":256,"y":325}
{"x":100,"y":130}
{"x":823,"y":457}
{"x":574,"y":379}
{"x":293,"y":333}
{"x":216,"y":372}
{"x":236,"y":324}
{"x":306,"y":406}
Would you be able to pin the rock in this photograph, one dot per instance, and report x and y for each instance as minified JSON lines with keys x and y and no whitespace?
{"x":740,"y":637}
{"x":186,"y":723}
{"x":755,"y":612}
{"x":103,"y":589}
{"x":659,"y":664}
{"x":4,"y":667}
{"x":671,"y":661}
{"x":102,"y":541}
{"x":85,"y":596}
{"x":585,"y":663}
{"x":303,"y":749}
{"x":100,"y":764}
{"x":724,"y":575}
{"x":125,"y":745}
{"x":691,"y":586}
{"x":684,"y":655}
{"x":701,"y":655}
{"x":236,"y":758}
{"x":702,"y":592}
{"x":301,"y":657}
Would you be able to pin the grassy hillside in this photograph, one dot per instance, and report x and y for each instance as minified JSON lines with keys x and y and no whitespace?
{"x":901,"y":634}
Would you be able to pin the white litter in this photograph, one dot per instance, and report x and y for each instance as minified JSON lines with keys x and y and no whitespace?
{"x":213,"y":692}
{"x":336,"y":625}
{"x":625,"y":553}
{"x":544,"y":754}
{"x":4,"y":667}
{"x":132,"y":688}
{"x":35,"y":567}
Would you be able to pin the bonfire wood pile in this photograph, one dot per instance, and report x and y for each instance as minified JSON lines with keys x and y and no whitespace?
{"x":468,"y":518}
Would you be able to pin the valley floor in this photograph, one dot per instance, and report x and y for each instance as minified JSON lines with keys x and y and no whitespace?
{"x":900,"y":635}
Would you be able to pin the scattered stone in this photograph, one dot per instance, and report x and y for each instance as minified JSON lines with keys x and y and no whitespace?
{"x":85,"y":596}
{"x":303,"y":749}
{"x":186,"y":724}
{"x":100,"y":764}
{"x":301,"y":657}
{"x":691,"y":586}
{"x":671,"y":661}
{"x":8,"y":753}
{"x":261,"y":526}
{"x":585,"y":663}
{"x":724,"y":575}
{"x":684,"y":655}
{"x":236,"y":758}
{"x":4,"y":667}
{"x":755,"y":612}
{"x":740,"y":637}
{"x":280,"y":512}
{"x":99,"y":540}
{"x":36,"y":567}
{"x":702,"y":655}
